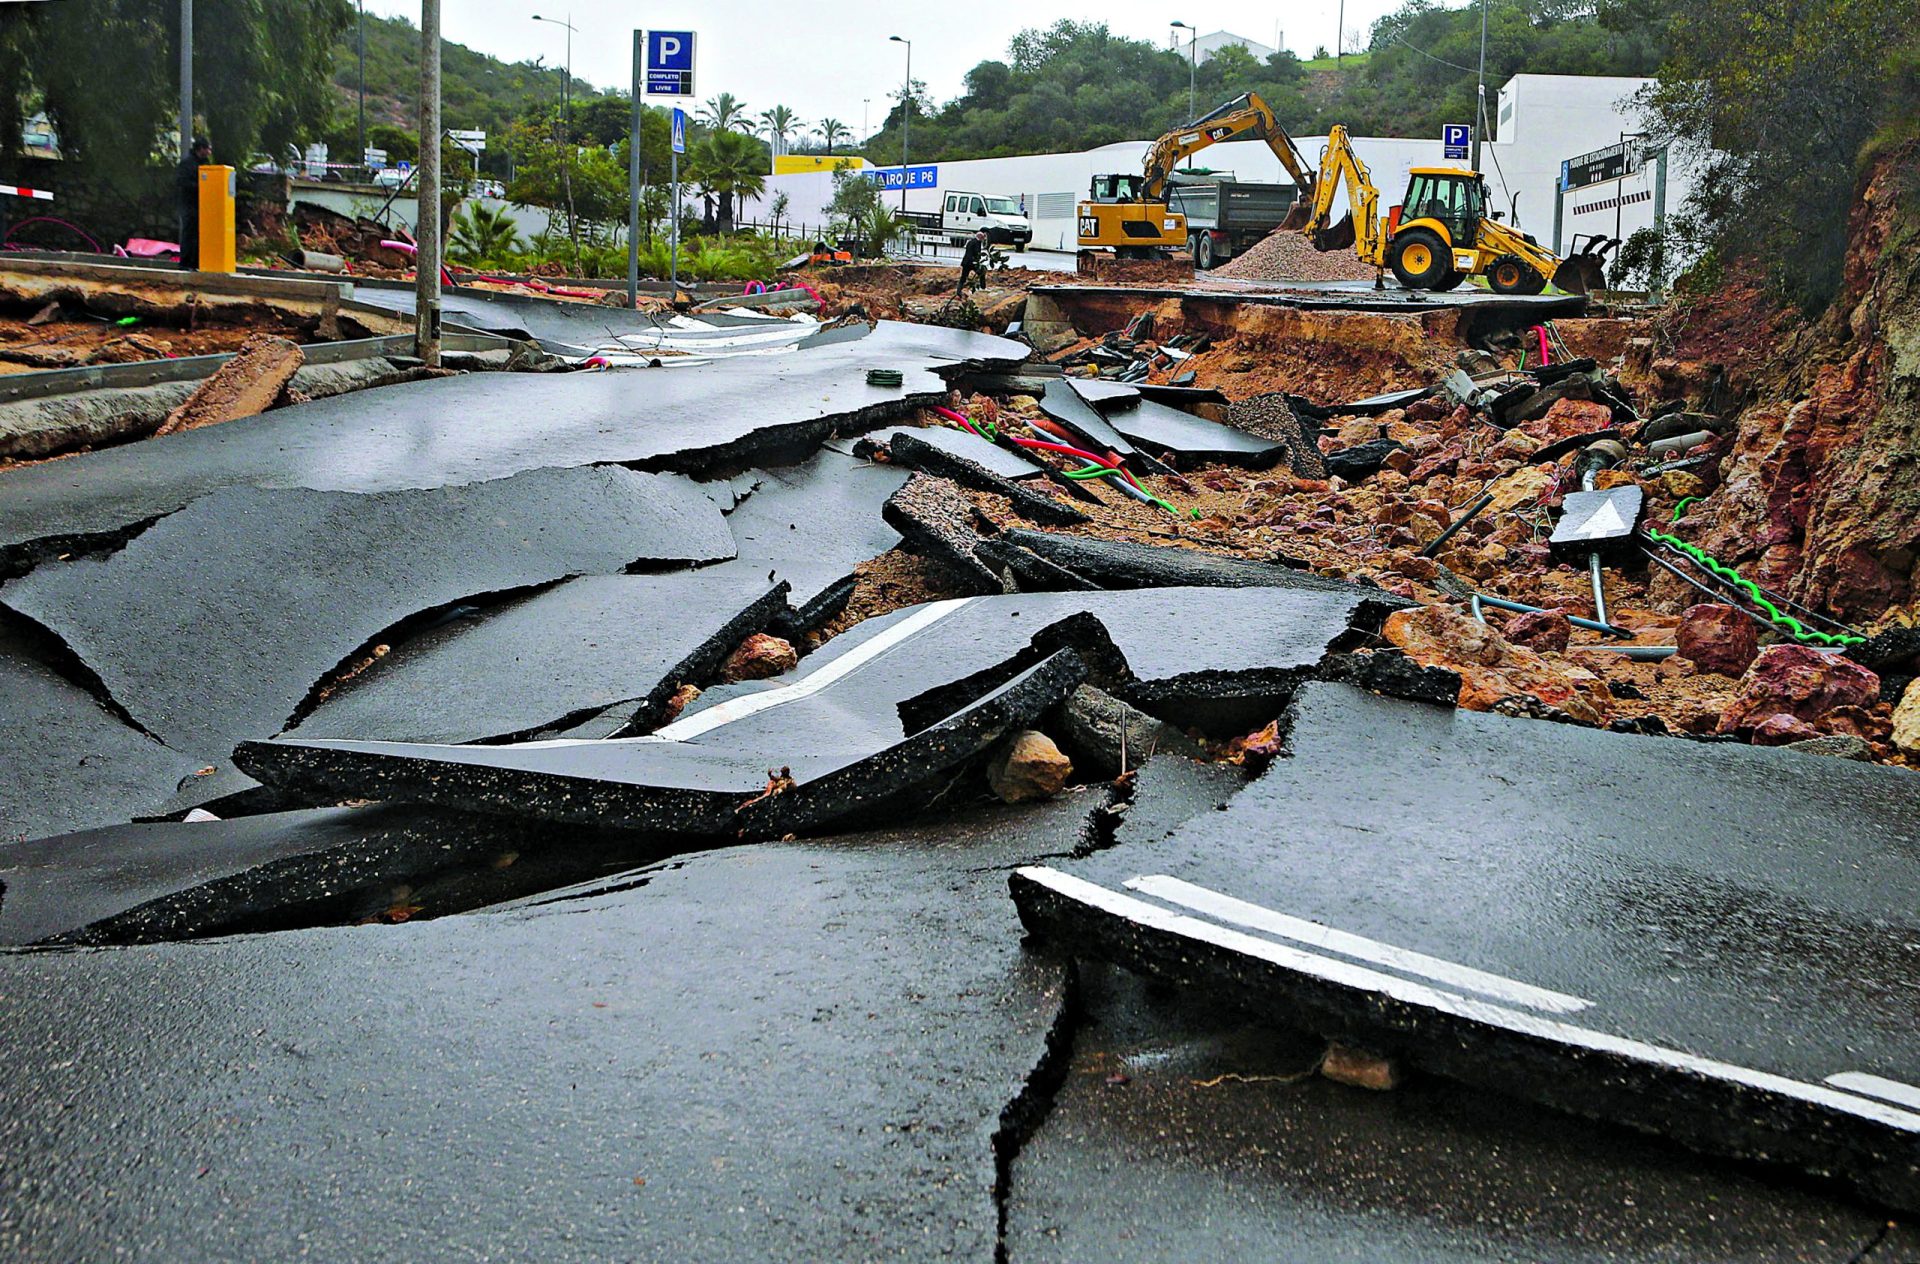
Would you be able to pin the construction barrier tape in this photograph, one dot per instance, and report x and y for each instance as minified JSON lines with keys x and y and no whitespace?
{"x":1774,"y":614}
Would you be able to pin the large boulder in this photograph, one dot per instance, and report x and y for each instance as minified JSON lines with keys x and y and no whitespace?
{"x":1028,"y":766}
{"x":1800,"y":683}
{"x":1490,"y":667}
{"x":1717,"y":638}
{"x":1906,"y":720}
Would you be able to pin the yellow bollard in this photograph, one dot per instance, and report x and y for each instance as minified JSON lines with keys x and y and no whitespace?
{"x":216,"y":219}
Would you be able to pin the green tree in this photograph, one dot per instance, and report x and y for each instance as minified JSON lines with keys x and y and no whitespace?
{"x":728,"y":165}
{"x":780,"y":123}
{"x":831,"y":131}
{"x":104,"y":70}
{"x":1779,"y":98}
{"x":483,"y":237}
{"x":855,"y":198}
{"x":722,"y":112}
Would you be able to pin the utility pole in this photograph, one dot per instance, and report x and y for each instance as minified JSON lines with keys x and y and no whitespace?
{"x":633,"y":179}
{"x":363,"y":80}
{"x":1480,"y":90}
{"x":186,"y":110}
{"x":426,"y":290}
{"x":566,"y":127}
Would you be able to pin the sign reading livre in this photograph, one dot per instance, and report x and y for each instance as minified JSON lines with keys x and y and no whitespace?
{"x":669,"y":63}
{"x":1599,"y":166}
{"x":905,"y":177}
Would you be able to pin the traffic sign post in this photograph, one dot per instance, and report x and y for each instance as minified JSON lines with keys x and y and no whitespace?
{"x":1455,"y":140}
{"x":633,"y":177}
{"x":673,"y":212}
{"x":669,"y":63}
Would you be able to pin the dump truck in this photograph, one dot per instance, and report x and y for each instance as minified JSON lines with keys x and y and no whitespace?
{"x":1226,"y":216}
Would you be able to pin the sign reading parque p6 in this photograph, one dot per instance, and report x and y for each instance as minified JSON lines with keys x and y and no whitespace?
{"x":904,"y":177}
{"x":669,"y":63}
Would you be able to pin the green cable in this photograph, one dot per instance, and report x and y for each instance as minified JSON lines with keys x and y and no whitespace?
{"x":1774,"y":615}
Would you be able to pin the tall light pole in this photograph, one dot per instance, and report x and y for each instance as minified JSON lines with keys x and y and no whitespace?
{"x":1193,"y":43}
{"x":1480,"y":88}
{"x":866,"y":114}
{"x":906,"y":117}
{"x":566,"y":126}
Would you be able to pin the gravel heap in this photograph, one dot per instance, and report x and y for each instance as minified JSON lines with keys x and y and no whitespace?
{"x":1286,"y":255}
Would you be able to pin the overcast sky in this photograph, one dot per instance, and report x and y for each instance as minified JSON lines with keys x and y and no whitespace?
{"x":825,"y":57}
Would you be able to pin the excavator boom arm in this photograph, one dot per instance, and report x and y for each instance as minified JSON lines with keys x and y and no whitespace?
{"x":1246,"y":116}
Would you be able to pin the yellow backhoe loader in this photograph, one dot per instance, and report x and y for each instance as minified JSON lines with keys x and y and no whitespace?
{"x":1439,"y":235}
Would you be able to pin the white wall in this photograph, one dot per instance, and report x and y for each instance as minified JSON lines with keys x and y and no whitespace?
{"x":1545,"y":119}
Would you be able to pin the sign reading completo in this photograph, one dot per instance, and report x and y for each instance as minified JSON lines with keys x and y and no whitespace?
{"x":905,"y":177}
{"x":1601,"y":165}
{"x":669,"y":63}
{"x":1456,"y":139}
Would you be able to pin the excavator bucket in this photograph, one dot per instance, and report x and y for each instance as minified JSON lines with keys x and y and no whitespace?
{"x":1339,"y":237}
{"x":1581,"y":274}
{"x":1297,"y":216}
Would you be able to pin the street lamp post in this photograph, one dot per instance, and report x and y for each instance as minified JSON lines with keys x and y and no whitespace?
{"x":1480,"y":89}
{"x":1193,"y":43}
{"x":363,"y":80}
{"x":906,"y":118}
{"x":566,"y":126}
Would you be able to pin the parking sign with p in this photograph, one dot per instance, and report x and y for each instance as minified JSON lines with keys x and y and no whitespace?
{"x":670,"y":63}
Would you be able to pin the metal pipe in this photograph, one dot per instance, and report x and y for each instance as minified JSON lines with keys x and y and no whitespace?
{"x":1516,"y":607}
{"x":1599,"y":588}
{"x":1453,"y":527}
{"x":1638,"y":653}
{"x":1680,"y":443}
{"x":633,"y":181}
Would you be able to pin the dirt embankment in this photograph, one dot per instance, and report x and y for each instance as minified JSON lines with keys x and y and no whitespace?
{"x":1820,"y":496}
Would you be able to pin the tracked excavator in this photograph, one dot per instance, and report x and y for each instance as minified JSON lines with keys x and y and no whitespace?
{"x":1439,"y":235}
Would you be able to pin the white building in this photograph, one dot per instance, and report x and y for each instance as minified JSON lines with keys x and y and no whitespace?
{"x":1544,"y":121}
{"x":1207,"y":45}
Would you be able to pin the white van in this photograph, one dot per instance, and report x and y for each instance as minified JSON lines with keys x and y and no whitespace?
{"x":964,"y":213}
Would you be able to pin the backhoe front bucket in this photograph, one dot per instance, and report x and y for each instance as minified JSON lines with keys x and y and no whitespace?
{"x":1340,"y":237}
{"x":1581,"y":274}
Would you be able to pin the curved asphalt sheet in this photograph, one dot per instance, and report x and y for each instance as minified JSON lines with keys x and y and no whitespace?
{"x":785,"y":1051}
{"x":213,"y":624}
{"x":479,"y":426}
{"x":1712,"y":941}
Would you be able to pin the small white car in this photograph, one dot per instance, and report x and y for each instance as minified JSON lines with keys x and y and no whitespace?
{"x":962,"y":214}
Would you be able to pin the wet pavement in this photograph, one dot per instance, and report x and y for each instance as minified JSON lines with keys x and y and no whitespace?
{"x":1495,"y":900}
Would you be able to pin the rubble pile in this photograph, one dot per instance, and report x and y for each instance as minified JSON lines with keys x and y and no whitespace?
{"x":1285,"y":255}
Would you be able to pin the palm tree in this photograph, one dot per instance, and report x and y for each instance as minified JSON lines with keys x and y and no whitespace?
{"x":779,"y":123}
{"x":722,"y":112}
{"x":482,"y":236}
{"x":831,"y":131}
{"x":729,"y":165}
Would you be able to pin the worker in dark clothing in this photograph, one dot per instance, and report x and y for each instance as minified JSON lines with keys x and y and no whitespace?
{"x":973,"y":262}
{"x":200,"y":156}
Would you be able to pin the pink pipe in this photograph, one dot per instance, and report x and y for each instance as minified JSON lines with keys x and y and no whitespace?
{"x":1541,"y":330}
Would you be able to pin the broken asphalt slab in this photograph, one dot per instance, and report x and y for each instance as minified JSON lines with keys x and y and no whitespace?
{"x":1192,"y":441}
{"x":215,"y":623}
{"x":481,"y":426}
{"x":129,"y":884}
{"x":595,"y":644}
{"x":903,"y":702}
{"x":809,"y":525}
{"x":70,"y":763}
{"x":1130,"y":564}
{"x":793,"y":1050}
{"x":1495,"y":900}
{"x":1186,"y":1130}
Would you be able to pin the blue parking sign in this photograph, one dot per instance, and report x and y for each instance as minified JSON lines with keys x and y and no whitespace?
{"x":1455,"y":139}
{"x":679,"y":130}
{"x":670,"y":63}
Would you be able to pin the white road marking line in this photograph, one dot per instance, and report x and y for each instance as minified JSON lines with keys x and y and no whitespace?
{"x":854,"y":659}
{"x":736,"y":708}
{"x":1485,"y":1013}
{"x":1236,"y":912}
{"x":1877,"y":1086}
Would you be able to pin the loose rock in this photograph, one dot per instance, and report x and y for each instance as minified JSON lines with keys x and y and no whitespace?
{"x":758,"y":657}
{"x":1798,"y":683}
{"x":1028,"y":766}
{"x":1717,"y":638}
{"x":1906,"y":720}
